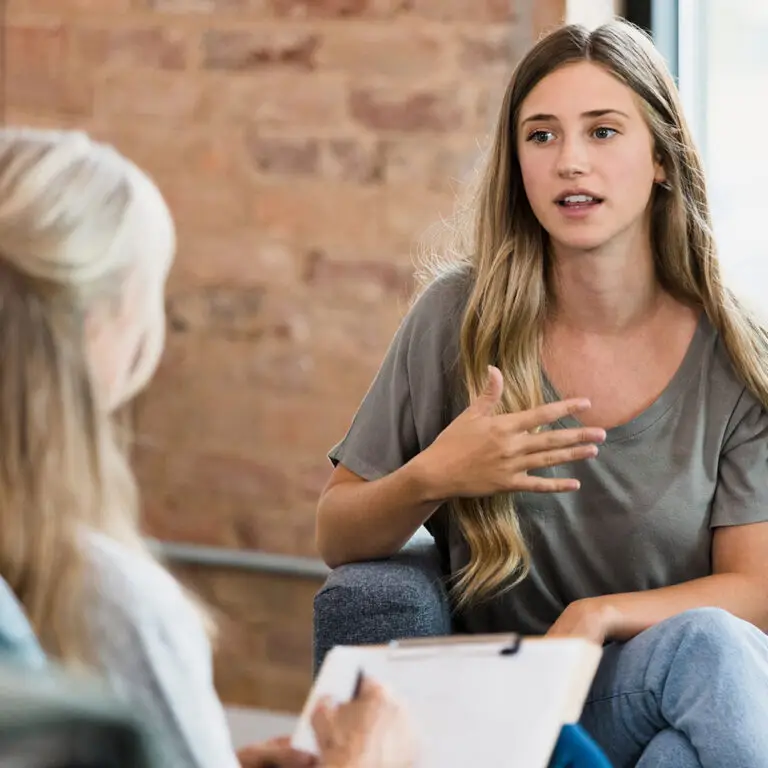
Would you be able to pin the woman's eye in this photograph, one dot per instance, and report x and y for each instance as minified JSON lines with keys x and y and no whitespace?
{"x":603,"y":133}
{"x":540,"y":137}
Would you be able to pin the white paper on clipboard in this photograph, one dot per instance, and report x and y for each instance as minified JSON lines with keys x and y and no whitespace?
{"x":469,"y":704}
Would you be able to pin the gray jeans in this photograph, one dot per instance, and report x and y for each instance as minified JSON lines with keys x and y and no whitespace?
{"x":691,"y":692}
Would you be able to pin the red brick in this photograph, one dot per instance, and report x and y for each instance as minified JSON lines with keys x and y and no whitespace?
{"x":395,"y":109}
{"x":203,"y":6}
{"x":220,"y":309}
{"x":213,"y":206}
{"x":496,"y":11}
{"x":284,"y":156}
{"x":131,"y":93}
{"x":425,"y":163}
{"x":278,"y":100}
{"x":386,"y":49}
{"x":40,"y":119}
{"x":286,"y":646}
{"x":263,"y":685}
{"x":241,"y":50}
{"x":410,"y":214}
{"x":236,"y":312}
{"x":488,"y":100}
{"x":35,"y":48}
{"x":257,"y":600}
{"x":318,"y":214}
{"x":59,"y":94}
{"x":63,"y":7}
{"x":322,"y":8}
{"x":240,"y":256}
{"x":368,"y":280}
{"x":287,"y":394}
{"x":257,"y":505}
{"x":546,"y":16}
{"x":353,"y":159}
{"x":491,"y":50}
{"x":166,"y":146}
{"x":255,"y":613}
{"x":346,"y":159}
{"x":37,"y":76}
{"x":126,"y":47}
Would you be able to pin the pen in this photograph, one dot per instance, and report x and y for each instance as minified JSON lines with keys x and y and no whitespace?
{"x":358,"y":683}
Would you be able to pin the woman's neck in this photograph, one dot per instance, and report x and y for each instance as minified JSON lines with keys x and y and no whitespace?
{"x":604,"y":292}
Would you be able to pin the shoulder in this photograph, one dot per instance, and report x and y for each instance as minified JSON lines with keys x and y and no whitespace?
{"x":430,"y":330}
{"x":731,"y":396}
{"x":445,"y":296}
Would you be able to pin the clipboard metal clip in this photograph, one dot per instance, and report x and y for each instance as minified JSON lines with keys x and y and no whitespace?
{"x":480,"y":645}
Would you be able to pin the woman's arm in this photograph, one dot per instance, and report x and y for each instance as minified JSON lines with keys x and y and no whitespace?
{"x":739,"y":585}
{"x":366,"y":520}
{"x":739,"y":523}
{"x":480,"y":453}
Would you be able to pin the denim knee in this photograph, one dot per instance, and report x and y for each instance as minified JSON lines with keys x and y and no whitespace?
{"x":711,"y":622}
{"x":713,"y":632}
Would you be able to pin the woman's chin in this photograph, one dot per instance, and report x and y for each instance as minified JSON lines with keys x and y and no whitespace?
{"x":582,"y":241}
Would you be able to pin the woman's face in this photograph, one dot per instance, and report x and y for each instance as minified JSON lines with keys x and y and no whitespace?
{"x":587,"y":158}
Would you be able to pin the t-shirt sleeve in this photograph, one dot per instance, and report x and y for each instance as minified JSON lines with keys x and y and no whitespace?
{"x":409,"y":401}
{"x":741,"y":495}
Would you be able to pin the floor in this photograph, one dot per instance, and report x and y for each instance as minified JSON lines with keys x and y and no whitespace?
{"x":252,"y":725}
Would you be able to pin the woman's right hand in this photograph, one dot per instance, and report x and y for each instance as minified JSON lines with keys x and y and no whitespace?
{"x":483,"y":452}
{"x":370,"y":731}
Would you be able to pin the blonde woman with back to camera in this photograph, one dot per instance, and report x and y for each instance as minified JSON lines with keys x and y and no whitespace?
{"x":86,"y":243}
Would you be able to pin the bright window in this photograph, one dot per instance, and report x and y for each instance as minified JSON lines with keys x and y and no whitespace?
{"x":722,"y":66}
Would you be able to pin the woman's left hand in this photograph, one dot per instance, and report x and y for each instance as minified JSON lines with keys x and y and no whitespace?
{"x":276,"y":753}
{"x":591,"y":618}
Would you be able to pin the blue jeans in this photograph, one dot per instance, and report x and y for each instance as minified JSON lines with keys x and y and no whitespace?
{"x":691,"y":692}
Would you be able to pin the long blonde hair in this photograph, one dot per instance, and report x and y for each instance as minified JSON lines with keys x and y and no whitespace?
{"x":499,"y":241}
{"x":76,"y":220}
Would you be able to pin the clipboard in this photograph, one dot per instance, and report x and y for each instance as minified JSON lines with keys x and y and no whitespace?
{"x":486,"y":700}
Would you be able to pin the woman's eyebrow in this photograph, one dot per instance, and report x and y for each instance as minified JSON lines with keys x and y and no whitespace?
{"x":592,"y":113}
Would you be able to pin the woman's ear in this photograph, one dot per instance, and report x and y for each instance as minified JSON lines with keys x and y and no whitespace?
{"x":660,"y":173}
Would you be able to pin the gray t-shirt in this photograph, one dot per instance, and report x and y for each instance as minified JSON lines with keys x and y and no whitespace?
{"x":696,"y":459}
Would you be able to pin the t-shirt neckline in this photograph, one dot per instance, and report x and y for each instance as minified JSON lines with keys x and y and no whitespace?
{"x":677,"y":384}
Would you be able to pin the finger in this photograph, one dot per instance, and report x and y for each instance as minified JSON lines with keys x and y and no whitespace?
{"x":371,"y":689}
{"x":279,"y":742}
{"x":562,"y":438}
{"x":554,"y":458}
{"x":534,"y":484}
{"x":292,"y":758}
{"x":322,"y":721}
{"x":546,"y":414}
{"x":486,"y":402}
{"x":272,"y":755}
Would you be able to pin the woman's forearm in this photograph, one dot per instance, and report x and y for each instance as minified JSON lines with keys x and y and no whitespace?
{"x":364,"y":520}
{"x":742,"y":595}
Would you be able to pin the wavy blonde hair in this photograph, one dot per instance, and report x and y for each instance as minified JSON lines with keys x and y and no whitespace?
{"x":499,"y":241}
{"x":77,"y":220}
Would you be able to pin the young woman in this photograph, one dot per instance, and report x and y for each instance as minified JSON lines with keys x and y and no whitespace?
{"x":86,"y":242}
{"x":575,"y":407}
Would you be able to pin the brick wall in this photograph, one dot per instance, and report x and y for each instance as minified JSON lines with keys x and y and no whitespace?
{"x":304,"y":146}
